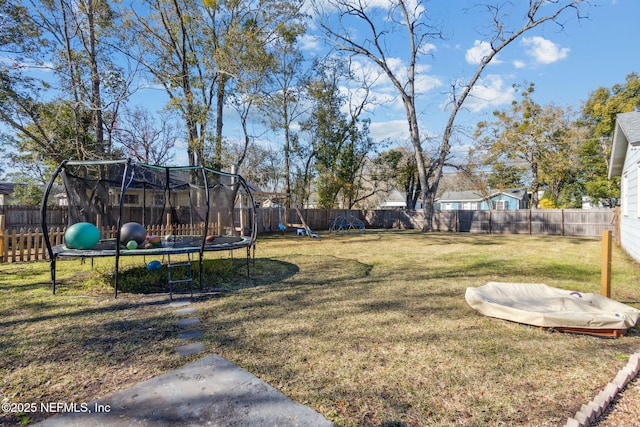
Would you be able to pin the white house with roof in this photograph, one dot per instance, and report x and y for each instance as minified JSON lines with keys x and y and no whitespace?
{"x":625,"y":163}
{"x":509,"y":199}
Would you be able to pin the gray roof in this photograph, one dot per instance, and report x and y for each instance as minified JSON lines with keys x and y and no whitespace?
{"x":627,"y":131}
{"x":7,"y":187}
{"x":395,"y":196}
{"x":462,"y":196}
{"x":516,"y":193}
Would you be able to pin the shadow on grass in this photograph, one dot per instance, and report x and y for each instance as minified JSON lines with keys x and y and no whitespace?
{"x":219,"y":276}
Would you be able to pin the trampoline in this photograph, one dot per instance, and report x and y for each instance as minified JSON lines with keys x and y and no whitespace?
{"x":191,"y":209}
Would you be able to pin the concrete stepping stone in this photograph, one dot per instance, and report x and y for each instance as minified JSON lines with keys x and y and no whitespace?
{"x":208,"y":392}
{"x":185,"y":350}
{"x":185,"y":311}
{"x":190,"y":334}
{"x":179,"y":303}
{"x":189,"y":321}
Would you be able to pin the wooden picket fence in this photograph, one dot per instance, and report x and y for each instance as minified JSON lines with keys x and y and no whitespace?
{"x":29,"y":245}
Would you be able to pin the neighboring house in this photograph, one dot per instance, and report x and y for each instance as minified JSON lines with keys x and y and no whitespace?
{"x":6,"y":190}
{"x":625,"y":163}
{"x":397,"y":199}
{"x":463,"y":201}
{"x":394,"y":200}
{"x":510,"y":199}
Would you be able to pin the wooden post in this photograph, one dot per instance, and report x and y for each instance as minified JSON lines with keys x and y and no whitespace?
{"x":99,"y":224}
{"x":3,"y":224}
{"x":606,"y":264}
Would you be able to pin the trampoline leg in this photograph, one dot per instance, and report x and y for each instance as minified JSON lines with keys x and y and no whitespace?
{"x":248,"y":259}
{"x":52,"y":266}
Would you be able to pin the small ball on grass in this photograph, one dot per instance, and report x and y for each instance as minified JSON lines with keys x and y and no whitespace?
{"x":154,"y":265}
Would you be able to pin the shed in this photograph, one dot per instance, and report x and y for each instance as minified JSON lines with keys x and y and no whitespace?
{"x":625,"y":163}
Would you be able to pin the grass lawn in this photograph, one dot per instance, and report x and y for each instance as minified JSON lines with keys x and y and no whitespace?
{"x":369,"y":329}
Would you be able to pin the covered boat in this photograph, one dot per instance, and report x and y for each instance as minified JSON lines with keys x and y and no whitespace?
{"x":547,"y":307}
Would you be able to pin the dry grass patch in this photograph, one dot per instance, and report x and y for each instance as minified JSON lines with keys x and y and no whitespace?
{"x":76,"y":346}
{"x":369,"y":329}
{"x":374,"y":329}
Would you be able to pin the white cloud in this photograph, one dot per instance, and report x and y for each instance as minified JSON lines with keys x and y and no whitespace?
{"x":428,"y":48}
{"x":384,"y":93}
{"x":424,"y":81}
{"x":393,"y":130}
{"x":309,"y":42}
{"x":544,"y":51}
{"x":519,"y":63}
{"x":489,"y":92}
{"x":478,"y":52}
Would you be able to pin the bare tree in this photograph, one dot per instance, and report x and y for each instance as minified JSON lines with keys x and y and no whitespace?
{"x":372,"y":41}
{"x":145,"y":139}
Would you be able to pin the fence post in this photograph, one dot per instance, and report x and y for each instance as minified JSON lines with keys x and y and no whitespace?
{"x":606,"y":264}
{"x":490,"y":222}
{"x":3,"y":224}
{"x":29,"y":244}
{"x":457,"y":222}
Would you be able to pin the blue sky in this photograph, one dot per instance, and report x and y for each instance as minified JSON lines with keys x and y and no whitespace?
{"x":566,"y":64}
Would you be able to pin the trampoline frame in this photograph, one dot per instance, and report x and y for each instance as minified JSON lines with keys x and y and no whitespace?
{"x":62,"y":251}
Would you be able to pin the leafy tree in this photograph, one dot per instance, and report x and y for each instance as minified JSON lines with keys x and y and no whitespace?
{"x":397,"y":167}
{"x":594,"y":156}
{"x":604,"y":104}
{"x":81,"y":34}
{"x":174,"y":43}
{"x":599,"y":115}
{"x":71,"y":115}
{"x":199,"y":51}
{"x":340,"y":141}
{"x":542,"y":138}
{"x":282,"y":103}
{"x":50,"y":134}
{"x":505,"y":175}
{"x":29,"y":190}
{"x":339,"y":17}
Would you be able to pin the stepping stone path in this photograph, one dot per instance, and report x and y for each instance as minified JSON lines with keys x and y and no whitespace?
{"x":187,"y":323}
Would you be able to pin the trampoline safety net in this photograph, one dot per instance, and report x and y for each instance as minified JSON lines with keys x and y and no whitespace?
{"x":205,"y":209}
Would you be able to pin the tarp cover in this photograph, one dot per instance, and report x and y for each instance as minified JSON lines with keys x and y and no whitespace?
{"x":541,"y":305}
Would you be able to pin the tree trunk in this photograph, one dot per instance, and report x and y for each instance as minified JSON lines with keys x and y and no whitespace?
{"x":217,"y":155}
{"x":96,"y":99}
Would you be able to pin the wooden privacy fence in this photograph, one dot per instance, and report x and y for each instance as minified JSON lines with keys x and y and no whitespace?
{"x":559,"y":222}
{"x":27,"y":243}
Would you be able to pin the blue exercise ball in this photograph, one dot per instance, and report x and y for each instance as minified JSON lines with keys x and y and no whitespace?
{"x":132,"y":231}
{"x":81,"y":235}
{"x":154,"y":265}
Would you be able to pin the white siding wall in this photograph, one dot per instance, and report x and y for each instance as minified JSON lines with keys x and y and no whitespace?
{"x":630,"y":221}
